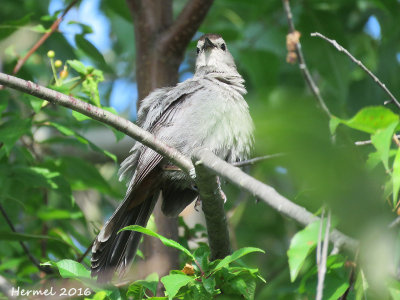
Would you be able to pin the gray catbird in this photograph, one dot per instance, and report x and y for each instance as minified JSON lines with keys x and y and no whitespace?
{"x":205,"y":111}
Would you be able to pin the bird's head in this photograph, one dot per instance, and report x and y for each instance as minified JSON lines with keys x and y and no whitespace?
{"x":213,"y":55}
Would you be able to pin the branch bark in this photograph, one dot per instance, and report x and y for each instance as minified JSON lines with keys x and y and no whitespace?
{"x":213,"y":207}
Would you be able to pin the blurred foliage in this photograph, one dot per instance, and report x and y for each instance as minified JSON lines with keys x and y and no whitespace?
{"x":48,"y":164}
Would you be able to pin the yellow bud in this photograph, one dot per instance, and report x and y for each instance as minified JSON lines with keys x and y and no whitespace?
{"x":58,"y":63}
{"x":51,"y":54}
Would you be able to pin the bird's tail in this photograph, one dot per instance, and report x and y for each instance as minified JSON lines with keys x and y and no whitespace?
{"x":113,"y":251}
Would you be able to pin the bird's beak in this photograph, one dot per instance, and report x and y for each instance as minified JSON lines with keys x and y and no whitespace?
{"x":208,"y":44}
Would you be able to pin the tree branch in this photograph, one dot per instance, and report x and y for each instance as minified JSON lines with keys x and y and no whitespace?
{"x":53,"y":28}
{"x":293,"y":40}
{"x":268,"y":194}
{"x":44,"y":269}
{"x":179,"y":34}
{"x":99,"y":114}
{"x":213,"y":207}
{"x":210,"y":161}
{"x":252,"y":161}
{"x":359,"y":63}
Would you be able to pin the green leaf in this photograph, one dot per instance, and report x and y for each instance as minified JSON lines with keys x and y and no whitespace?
{"x":3,"y":102}
{"x":36,"y":176}
{"x":381,"y":139}
{"x":174,"y":282}
{"x":333,"y":124}
{"x":16,"y":236}
{"x":301,"y":245}
{"x":201,"y":255}
{"x":77,"y":66}
{"x":39,"y":28}
{"x":149,"y":283}
{"x":7,"y":28}
{"x":83,"y":175}
{"x":89,"y":49}
{"x":70,"y":269}
{"x":90,"y":86}
{"x":209,"y":285}
{"x":12,"y":130}
{"x":235,"y":256}
{"x":80,"y":117}
{"x":369,"y":119}
{"x":58,"y":214}
{"x":396,"y":178}
{"x":68,"y":132}
{"x":164,"y":240}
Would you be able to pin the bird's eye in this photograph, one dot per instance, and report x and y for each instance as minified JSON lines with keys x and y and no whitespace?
{"x":198,"y":50}
{"x":223,"y":47}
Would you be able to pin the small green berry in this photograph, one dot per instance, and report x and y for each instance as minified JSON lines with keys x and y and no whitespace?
{"x":51,"y":54}
{"x":58,"y":63}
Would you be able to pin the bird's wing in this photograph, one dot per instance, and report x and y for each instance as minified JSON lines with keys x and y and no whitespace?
{"x":157,"y":111}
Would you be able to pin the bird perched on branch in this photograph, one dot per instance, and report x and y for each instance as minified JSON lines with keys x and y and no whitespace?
{"x":205,"y":111}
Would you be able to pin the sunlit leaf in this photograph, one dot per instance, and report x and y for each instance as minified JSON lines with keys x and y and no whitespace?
{"x":164,"y":240}
{"x":174,"y":282}
{"x":381,"y":139}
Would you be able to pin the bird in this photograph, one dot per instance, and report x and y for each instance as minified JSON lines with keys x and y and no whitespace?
{"x":207,"y":110}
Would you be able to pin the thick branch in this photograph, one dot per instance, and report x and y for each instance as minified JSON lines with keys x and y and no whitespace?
{"x":359,"y":63}
{"x":213,"y":207}
{"x":99,"y":114}
{"x":210,"y":161}
{"x":268,"y":195}
{"x":178,"y":36}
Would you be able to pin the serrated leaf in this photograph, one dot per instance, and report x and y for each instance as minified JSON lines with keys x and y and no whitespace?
{"x":201,"y":255}
{"x":396,"y":178}
{"x":174,"y":282}
{"x":381,"y":140}
{"x":164,"y":240}
{"x":70,"y":269}
{"x":369,"y":119}
{"x":235,"y":256}
{"x":302,"y":243}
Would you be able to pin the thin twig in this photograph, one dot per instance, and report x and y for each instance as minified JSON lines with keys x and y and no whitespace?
{"x":44,"y":269}
{"x":321,"y":264}
{"x":80,"y":258}
{"x":302,"y":63}
{"x":53,"y":28}
{"x":359,"y":63}
{"x":394,"y":223}
{"x":396,"y":138}
{"x":255,"y":160}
